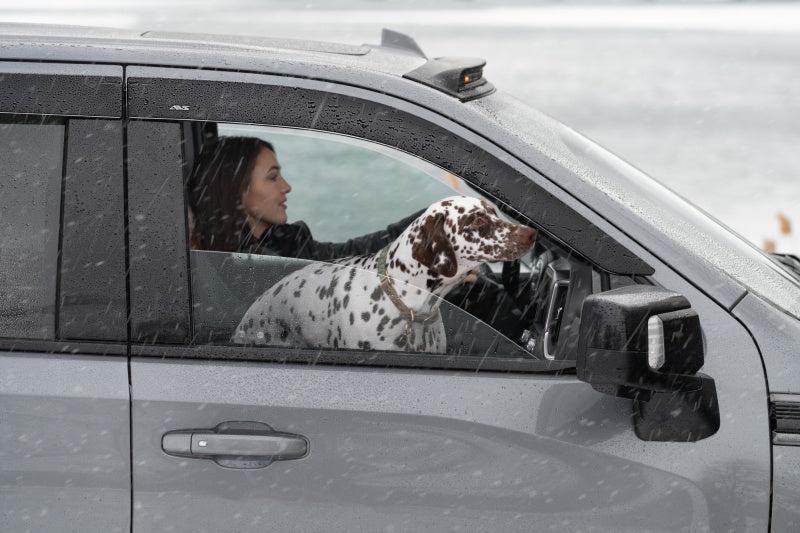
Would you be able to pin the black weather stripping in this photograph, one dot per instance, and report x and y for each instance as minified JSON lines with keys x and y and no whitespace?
{"x":461,"y":77}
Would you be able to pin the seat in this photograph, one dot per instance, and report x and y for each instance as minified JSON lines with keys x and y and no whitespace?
{"x":224,"y":285}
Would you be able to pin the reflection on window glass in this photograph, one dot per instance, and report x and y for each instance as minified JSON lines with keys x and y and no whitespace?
{"x":30,"y":190}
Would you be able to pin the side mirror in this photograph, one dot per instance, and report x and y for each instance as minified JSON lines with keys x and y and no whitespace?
{"x":646,"y":343}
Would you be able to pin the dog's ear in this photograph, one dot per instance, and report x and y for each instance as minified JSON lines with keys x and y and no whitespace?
{"x":433,"y":249}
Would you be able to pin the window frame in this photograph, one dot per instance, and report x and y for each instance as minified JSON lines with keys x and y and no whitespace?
{"x":91,"y":198}
{"x":222,"y":97}
{"x":77,"y":92}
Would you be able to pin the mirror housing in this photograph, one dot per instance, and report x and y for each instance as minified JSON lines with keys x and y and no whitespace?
{"x":646,"y":343}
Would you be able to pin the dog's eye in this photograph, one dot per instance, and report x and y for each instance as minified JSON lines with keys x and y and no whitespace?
{"x":479,"y":221}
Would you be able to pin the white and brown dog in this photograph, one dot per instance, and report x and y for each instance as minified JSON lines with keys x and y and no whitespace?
{"x":388,"y":300}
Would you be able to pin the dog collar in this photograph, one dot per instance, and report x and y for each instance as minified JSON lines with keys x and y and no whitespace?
{"x":388,"y":288}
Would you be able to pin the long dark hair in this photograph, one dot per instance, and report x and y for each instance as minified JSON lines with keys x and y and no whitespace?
{"x":221,"y":174}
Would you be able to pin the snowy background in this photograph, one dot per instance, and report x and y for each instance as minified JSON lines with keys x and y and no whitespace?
{"x":703,"y":96}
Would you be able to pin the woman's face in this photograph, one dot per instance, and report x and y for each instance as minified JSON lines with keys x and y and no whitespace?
{"x":264,"y":199}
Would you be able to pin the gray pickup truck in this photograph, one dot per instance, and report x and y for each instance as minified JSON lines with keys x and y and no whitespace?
{"x":637,"y":370}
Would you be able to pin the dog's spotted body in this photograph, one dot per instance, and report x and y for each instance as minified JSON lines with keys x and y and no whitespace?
{"x":349,"y":303}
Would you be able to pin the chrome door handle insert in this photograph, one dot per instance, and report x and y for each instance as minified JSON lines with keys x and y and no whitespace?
{"x":555,"y":314}
{"x":236,"y":444}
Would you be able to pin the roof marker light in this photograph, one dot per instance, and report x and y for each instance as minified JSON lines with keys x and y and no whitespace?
{"x":461,"y":77}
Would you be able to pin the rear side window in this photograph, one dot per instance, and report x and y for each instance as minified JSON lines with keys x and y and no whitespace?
{"x":31,"y":159}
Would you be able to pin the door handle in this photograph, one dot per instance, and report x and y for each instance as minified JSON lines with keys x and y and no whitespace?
{"x":236,"y":444}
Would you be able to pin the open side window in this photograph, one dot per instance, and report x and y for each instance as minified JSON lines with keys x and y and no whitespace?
{"x":343,"y":188}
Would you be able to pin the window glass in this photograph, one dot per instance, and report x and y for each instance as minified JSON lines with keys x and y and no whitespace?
{"x":31,"y":155}
{"x":256,"y":300}
{"x":269,"y":232}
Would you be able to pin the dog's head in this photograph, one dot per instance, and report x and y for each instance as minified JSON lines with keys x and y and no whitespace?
{"x":457,"y":233}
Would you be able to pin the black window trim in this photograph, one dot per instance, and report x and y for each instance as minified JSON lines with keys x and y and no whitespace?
{"x":35,"y":120}
{"x":157,"y":248}
{"x":63,"y":91}
{"x":60,"y":347}
{"x":311,"y":357}
{"x":92,"y":210}
{"x":61,"y":343}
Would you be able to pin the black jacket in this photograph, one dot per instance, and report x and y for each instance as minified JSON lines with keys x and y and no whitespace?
{"x":295,"y":240}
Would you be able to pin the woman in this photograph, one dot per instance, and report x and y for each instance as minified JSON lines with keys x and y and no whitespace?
{"x":238,"y":197}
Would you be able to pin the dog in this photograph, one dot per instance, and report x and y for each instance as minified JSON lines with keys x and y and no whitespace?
{"x":387,"y":300}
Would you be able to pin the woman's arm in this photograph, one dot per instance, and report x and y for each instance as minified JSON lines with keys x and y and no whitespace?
{"x":365,"y":244}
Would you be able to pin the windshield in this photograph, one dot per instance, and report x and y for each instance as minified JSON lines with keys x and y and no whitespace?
{"x":667,"y":212}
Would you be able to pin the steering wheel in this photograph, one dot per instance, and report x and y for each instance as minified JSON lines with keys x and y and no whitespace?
{"x":521,"y":287}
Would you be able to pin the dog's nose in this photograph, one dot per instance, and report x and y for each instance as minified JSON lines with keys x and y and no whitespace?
{"x":526,"y":234}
